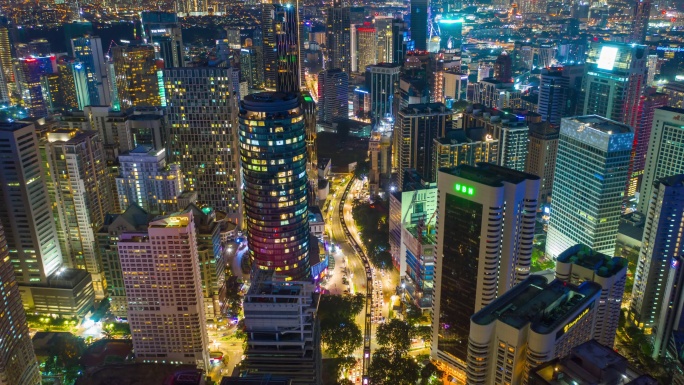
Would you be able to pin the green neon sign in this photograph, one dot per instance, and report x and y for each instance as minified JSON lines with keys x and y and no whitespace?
{"x":463,"y":189}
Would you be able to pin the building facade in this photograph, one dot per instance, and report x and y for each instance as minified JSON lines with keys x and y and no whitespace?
{"x":542,"y":150}
{"x":137,"y":76}
{"x":333,"y":95}
{"x":381,"y":82}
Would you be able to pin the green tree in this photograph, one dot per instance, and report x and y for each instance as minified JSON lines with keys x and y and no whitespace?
{"x":429,"y":374}
{"x":424,"y":332}
{"x":340,"y":338}
{"x":396,"y":336}
{"x":414,"y":314}
{"x":388,"y":368}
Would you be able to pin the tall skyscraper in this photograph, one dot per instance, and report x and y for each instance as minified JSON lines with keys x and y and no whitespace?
{"x":67,"y":89}
{"x":29,"y":72}
{"x":592,"y":162}
{"x":383,"y":25}
{"x":76,"y":160}
{"x":88,"y":50}
{"x":469,"y":272}
{"x":18,"y":364}
{"x":367,"y":46}
{"x":280,"y":25}
{"x":665,"y":155}
{"x":399,"y":32}
{"x":614,"y":78}
{"x":553,"y":94}
{"x":163,"y":31}
{"x":148,"y":181}
{"x":416,"y":129}
{"x":503,"y":68}
{"x":420,"y":10}
{"x":381,"y":83}
{"x":338,"y":37}
{"x":165,"y":305}
{"x":659,"y":255}
{"x":7,"y":82}
{"x":273,"y":155}
{"x":333,"y":95}
{"x":310,"y":114}
{"x":203,"y":124}
{"x":640,"y":17}
{"x":542,"y":150}
{"x":137,"y":76}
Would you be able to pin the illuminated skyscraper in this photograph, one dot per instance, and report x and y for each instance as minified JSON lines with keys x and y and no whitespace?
{"x":399,"y":34}
{"x":7,"y":82}
{"x":503,"y":68}
{"x":451,"y":28}
{"x":202,"y":114}
{"x":273,"y":153}
{"x":614,"y":78}
{"x":137,"y":76}
{"x":383,"y":25}
{"x":280,"y":26}
{"x":640,"y":16}
{"x":333,"y":95}
{"x":338,"y":37}
{"x":310,"y":115}
{"x":18,"y":363}
{"x":88,"y":50}
{"x":592,"y":162}
{"x":68,"y":88}
{"x":381,"y":83}
{"x":163,"y":31}
{"x":29,"y":72}
{"x":553,"y":94}
{"x":367,"y":46}
{"x":420,"y":10}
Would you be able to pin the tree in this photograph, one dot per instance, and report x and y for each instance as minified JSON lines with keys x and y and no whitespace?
{"x":388,"y":368}
{"x":340,"y":338}
{"x":396,"y":336}
{"x":424,"y":332}
{"x":414,"y":314}
{"x":429,"y":374}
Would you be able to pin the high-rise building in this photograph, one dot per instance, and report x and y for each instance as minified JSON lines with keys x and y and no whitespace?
{"x":273,"y":155}
{"x":503,"y":68}
{"x":469,"y":272}
{"x":29,"y":72}
{"x":381,"y":82}
{"x":249,"y":69}
{"x":89,"y":51}
{"x":640,"y":16}
{"x":18,"y":364}
{"x":7,"y":81}
{"x":542,"y":150}
{"x":675,"y":94}
{"x":553,"y":95}
{"x":460,"y":147}
{"x":451,"y":28}
{"x":163,"y":31}
{"x":592,"y":162}
{"x":659,"y":254}
{"x":495,"y":94}
{"x":383,"y":25}
{"x":614,"y":78}
{"x":271,"y":307}
{"x":665,"y":155}
{"x":642,"y":134}
{"x":78,"y":172}
{"x":137,"y":76}
{"x":419,"y":243}
{"x":148,"y":181}
{"x":282,"y":59}
{"x":202,"y":114}
{"x":338,"y":37}
{"x":420,"y":10}
{"x":534,"y":322}
{"x":417,"y":127}
{"x":133,"y":219}
{"x":310,"y":114}
{"x":454,"y":86}
{"x":67,"y":89}
{"x":399,"y":36}
{"x":580,"y":264}
{"x":367,"y":46}
{"x":333,"y":95}
{"x":165,"y":303}
{"x":379,"y":150}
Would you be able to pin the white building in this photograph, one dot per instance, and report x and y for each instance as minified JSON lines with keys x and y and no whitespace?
{"x":164,"y":292}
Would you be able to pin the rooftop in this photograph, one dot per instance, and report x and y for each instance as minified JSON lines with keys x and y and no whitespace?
{"x":425,"y":108}
{"x":67,"y":278}
{"x":602,"y":124}
{"x":673,"y":181}
{"x":603,"y":265}
{"x":537,"y":302}
{"x":489,"y":174}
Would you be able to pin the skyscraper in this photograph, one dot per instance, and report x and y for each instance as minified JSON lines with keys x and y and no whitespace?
{"x":614,"y":78}
{"x":469,"y":272}
{"x":381,"y":82}
{"x":7,"y":82}
{"x":459,"y":148}
{"x":542,"y":150}
{"x":553,"y":94}
{"x":29,"y":72}
{"x":416,"y":128}
{"x":163,"y":31}
{"x":399,"y":31}
{"x":420,"y":10}
{"x":367,"y":46}
{"x":280,"y":25}
{"x":451,"y":27}
{"x":592,"y":162}
{"x":273,"y":154}
{"x":338,"y":37}
{"x":383,"y":25}
{"x":165,"y":305}
{"x":203,"y":124}
{"x":640,"y":16}
{"x":137,"y":77}
{"x":18,"y":364}
{"x":503,"y":68}
{"x":333,"y":95}
{"x":665,"y":155}
{"x":88,"y":50}
{"x":659,"y":254}
{"x":310,"y":114}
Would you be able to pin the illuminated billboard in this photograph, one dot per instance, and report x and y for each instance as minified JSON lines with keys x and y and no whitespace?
{"x":606,"y":60}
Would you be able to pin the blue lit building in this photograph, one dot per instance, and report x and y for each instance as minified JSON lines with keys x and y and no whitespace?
{"x":420,"y":244}
{"x":88,"y":50}
{"x":29,"y":72}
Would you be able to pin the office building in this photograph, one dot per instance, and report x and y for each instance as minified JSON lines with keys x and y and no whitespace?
{"x":333,"y":95}
{"x":133,"y":219}
{"x":451,"y":28}
{"x":579,"y":264}
{"x":496,"y":94}
{"x":399,"y":40}
{"x":418,"y":125}
{"x":272,"y":307}
{"x":454,"y":86}
{"x":420,"y":17}
{"x":469,"y":272}
{"x":310,"y":123}
{"x":460,"y":147}
{"x":366,"y":46}
{"x":67,"y":89}
{"x":381,"y":82}
{"x":589,"y":364}
{"x":673,"y":90}
{"x":280,"y":26}
{"x":67,"y":293}
{"x":379,"y":149}
{"x":642,"y":135}
{"x":532,"y":323}
{"x":163,"y":31}
{"x":165,"y":305}
{"x":249,"y":67}
{"x":78,"y":173}
{"x":88,"y":50}
{"x":31,"y":235}
{"x":138,"y":76}
{"x":542,"y":150}
{"x":640,"y":16}
{"x":592,"y":162}
{"x":18,"y":363}
{"x":503,"y":68}
{"x":7,"y":82}
{"x":338,"y":37}
{"x":148,"y":181}
{"x":412,"y":90}
{"x":659,"y":253}
{"x":419,"y":243}
{"x":29,"y":72}
{"x":202,"y":114}
{"x":275,"y":188}
{"x":614,"y":78}
{"x":664,"y":155}
{"x":383,"y":25}
{"x":553,"y":95}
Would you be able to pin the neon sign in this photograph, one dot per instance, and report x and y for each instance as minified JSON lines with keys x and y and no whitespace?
{"x":575,"y":321}
{"x":463,"y":189}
